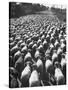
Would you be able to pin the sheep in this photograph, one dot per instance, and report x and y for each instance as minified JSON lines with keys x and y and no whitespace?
{"x":63,"y":63}
{"x":13,"y":35}
{"x":17,"y":55}
{"x":49,"y":67}
{"x":39,"y":64}
{"x":34,"y":78}
{"x":35,"y":37}
{"x":52,"y":40}
{"x":13,"y":72}
{"x":56,"y":44}
{"x":52,"y":34}
{"x":24,"y":50}
{"x":63,"y":47}
{"x":28,"y":41}
{"x":25,"y":75}
{"x":45,"y":45}
{"x":19,"y":65}
{"x":22,"y":44}
{"x":48,"y":38}
{"x":41,"y":33}
{"x":13,"y":83}
{"x":14,"y":49}
{"x":37,"y":54}
{"x":12,"y":44}
{"x":30,"y":45}
{"x":17,"y":38}
{"x":60,"y":36}
{"x":54,"y":57}
{"x":47,"y":54}
{"x":38,"y":42}
{"x":59,"y":53}
{"x":42,"y":38}
{"x":50,"y":31}
{"x":19,"y":43}
{"x":45,"y":34}
{"x":41,"y":49}
{"x":34,"y":47}
{"x":11,"y":40}
{"x":25,"y":36}
{"x":51,"y":46}
{"x":63,"y":66}
{"x":28,"y":57}
{"x":62,"y":40}
{"x":60,"y":80}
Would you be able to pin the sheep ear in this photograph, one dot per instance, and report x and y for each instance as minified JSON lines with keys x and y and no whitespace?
{"x":25,"y":64}
{"x":30,"y":63}
{"x":34,"y":66}
{"x":54,"y":66}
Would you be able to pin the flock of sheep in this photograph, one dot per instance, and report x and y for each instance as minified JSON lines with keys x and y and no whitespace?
{"x":37,"y":51}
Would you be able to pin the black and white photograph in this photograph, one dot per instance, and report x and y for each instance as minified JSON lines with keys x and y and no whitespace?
{"x":37,"y":44}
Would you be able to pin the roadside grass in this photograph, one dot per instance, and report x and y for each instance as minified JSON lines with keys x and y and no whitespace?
{"x":61,"y":14}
